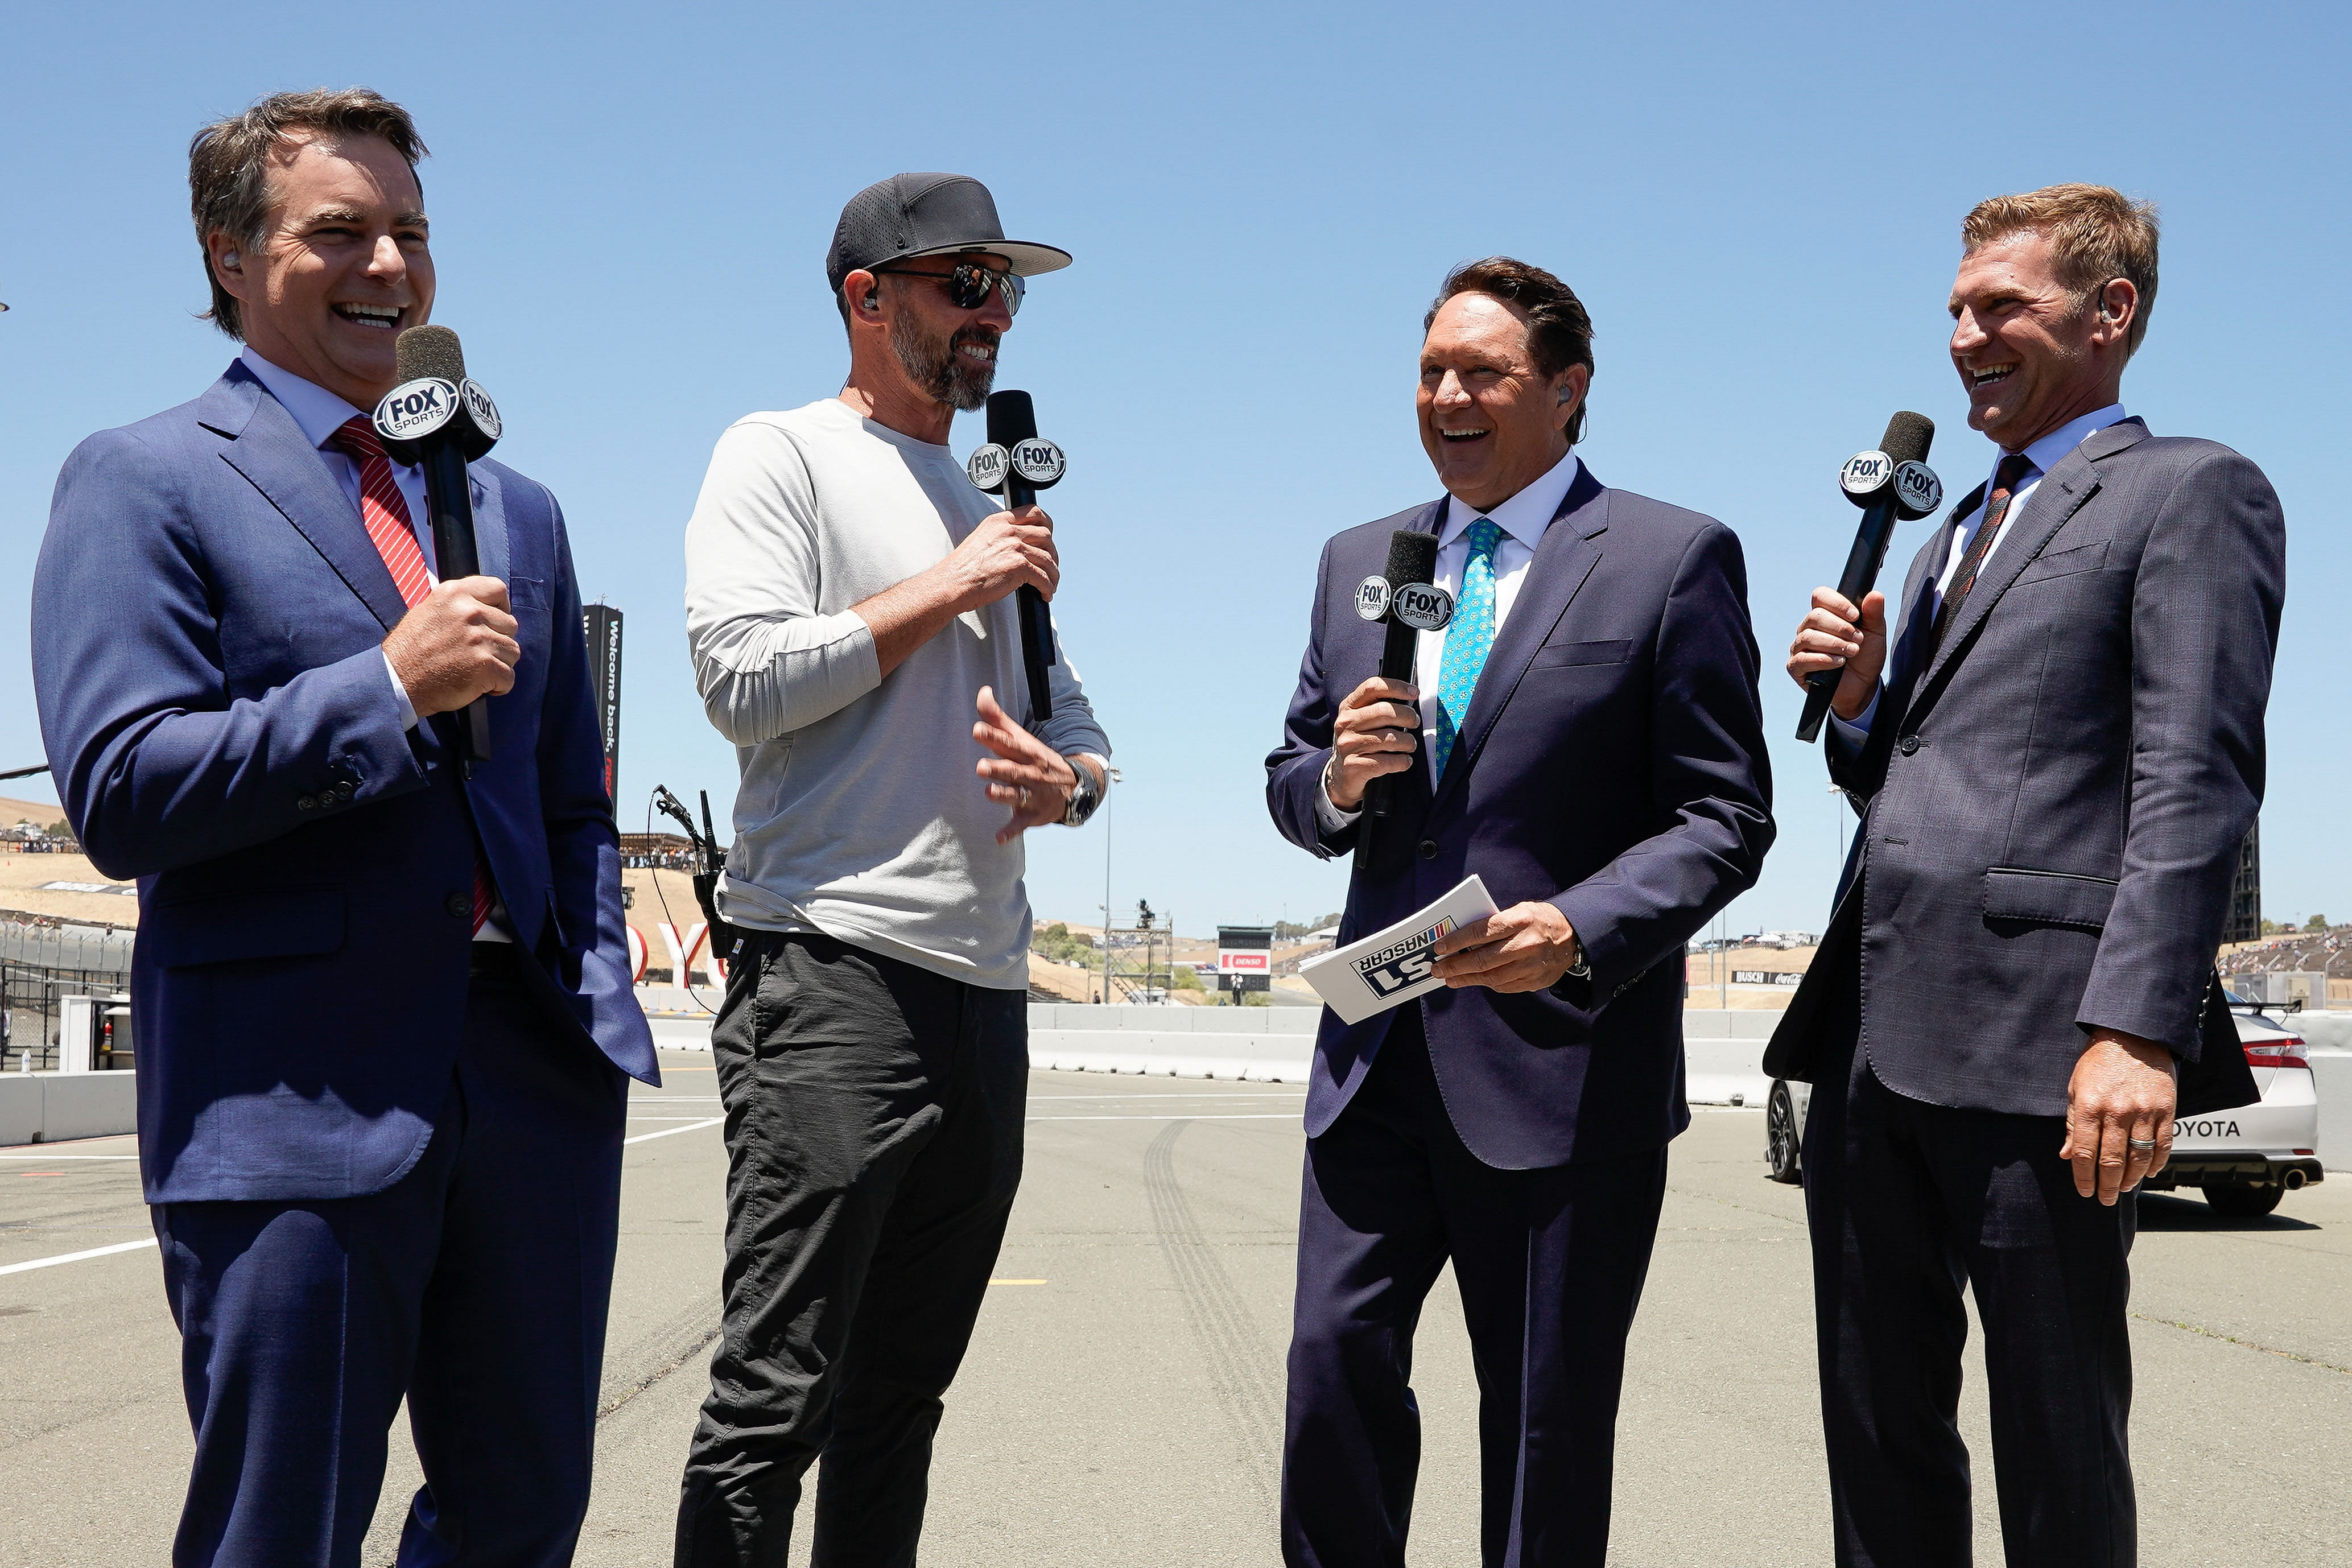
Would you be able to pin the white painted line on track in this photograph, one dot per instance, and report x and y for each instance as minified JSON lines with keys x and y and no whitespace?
{"x":1170,"y":1099}
{"x":665,"y":1132}
{"x":48,"y":1157}
{"x":77,"y":1256}
{"x":1189,"y":1116}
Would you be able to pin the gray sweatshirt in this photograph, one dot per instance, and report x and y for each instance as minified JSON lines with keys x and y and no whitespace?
{"x":860,"y":813}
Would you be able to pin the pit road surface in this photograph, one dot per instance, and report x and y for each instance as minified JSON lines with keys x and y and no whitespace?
{"x":1122,"y":1401}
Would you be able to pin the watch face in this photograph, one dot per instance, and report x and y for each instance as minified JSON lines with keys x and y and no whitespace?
{"x":1083,"y":798}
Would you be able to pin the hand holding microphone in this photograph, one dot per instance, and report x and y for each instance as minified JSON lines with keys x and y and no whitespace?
{"x":1019,"y":463}
{"x":1378,"y":731}
{"x":457,"y":642}
{"x":1840,"y":647}
{"x":454,"y":646}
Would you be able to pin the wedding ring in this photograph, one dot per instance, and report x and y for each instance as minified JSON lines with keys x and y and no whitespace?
{"x":2139,"y":1143}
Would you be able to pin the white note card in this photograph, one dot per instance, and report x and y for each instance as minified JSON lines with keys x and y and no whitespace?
{"x":1392,"y":965}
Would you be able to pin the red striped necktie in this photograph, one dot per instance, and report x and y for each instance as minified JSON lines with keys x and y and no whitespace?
{"x":384,"y":512}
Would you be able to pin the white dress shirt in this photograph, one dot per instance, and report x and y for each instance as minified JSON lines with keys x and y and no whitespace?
{"x":2040,"y":458}
{"x":319,"y":413}
{"x":1523,"y":520}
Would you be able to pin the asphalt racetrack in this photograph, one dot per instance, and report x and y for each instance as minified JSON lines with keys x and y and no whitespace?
{"x":1122,"y":1402}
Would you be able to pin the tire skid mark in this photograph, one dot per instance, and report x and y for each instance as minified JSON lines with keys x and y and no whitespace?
{"x":1248,"y":1390}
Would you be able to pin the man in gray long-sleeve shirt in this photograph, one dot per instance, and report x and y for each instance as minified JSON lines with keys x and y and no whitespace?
{"x":850,"y":608}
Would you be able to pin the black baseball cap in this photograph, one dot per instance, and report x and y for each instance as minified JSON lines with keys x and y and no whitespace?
{"x":927,"y":215}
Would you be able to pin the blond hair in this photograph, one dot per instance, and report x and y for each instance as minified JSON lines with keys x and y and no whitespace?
{"x":2097,"y":234}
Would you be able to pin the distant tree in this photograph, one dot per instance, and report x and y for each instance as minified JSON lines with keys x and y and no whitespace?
{"x":1057,"y":943}
{"x":1286,"y":930}
{"x":2316,"y":922}
{"x":1188,"y":979}
{"x":60,"y":828}
{"x":2274,"y":927}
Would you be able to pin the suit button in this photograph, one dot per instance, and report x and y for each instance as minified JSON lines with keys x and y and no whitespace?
{"x":344,"y":791}
{"x":459,"y":904}
{"x":1907,"y":745}
{"x":1429,"y":848}
{"x":307,"y":802}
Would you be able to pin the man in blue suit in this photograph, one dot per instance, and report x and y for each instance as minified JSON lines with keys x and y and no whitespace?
{"x":385,"y":1026}
{"x":1585,"y":736}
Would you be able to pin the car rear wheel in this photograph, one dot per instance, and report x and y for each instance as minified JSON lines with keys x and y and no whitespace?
{"x":2245,"y":1202}
{"x":1781,"y":1136}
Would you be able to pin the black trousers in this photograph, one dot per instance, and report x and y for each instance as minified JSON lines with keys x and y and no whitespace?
{"x":1550,"y":1265}
{"x":874,"y":1132}
{"x":476,"y":1285}
{"x":1909,"y":1203}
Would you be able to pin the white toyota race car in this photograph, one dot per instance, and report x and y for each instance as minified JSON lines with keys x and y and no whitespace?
{"x":2246,"y":1159}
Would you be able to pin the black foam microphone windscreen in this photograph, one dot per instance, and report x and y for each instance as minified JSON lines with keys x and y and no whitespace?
{"x":1908,"y":436}
{"x":1012,"y":418}
{"x":1412,"y":557}
{"x":429,"y":350}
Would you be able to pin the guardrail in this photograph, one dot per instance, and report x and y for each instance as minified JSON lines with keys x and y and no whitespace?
{"x":90,"y":949}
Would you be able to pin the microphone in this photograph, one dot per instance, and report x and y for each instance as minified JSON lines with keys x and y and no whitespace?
{"x":1890,"y":483}
{"x":1403,"y":599}
{"x":1018,"y":463}
{"x":440,"y":418}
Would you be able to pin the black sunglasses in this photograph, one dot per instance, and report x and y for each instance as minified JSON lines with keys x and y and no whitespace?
{"x":969,"y":284}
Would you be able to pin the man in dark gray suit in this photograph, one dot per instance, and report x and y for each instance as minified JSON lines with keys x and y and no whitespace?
{"x":2016,"y":994}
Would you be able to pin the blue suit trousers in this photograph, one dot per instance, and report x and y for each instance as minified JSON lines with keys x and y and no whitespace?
{"x":475,"y":1286}
{"x":1550,"y":1264}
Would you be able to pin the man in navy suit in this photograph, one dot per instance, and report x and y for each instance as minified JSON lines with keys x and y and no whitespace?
{"x":386,"y":1024}
{"x":1584,"y":736}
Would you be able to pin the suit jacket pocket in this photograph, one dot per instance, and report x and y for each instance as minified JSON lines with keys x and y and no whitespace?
{"x":2048,"y":898}
{"x":1554,"y":656}
{"x":290,"y":922}
{"x":2065,"y":563}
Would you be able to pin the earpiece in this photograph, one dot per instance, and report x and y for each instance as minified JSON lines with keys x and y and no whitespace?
{"x":229,"y":258}
{"x":874,"y":299}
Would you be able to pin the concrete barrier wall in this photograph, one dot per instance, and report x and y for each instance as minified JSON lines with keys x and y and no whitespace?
{"x":1723,"y":1051}
{"x":52,"y":1107}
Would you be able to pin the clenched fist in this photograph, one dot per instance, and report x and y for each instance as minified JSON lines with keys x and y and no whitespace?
{"x":1836,"y":634}
{"x":455,"y":643}
{"x":1377,"y":731}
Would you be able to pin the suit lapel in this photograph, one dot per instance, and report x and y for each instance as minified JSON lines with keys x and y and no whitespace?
{"x":1564,"y":558}
{"x":491,"y":549}
{"x":269,"y":450}
{"x":2059,"y":496}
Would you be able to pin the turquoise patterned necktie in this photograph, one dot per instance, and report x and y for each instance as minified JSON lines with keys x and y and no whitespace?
{"x":1468,"y":639}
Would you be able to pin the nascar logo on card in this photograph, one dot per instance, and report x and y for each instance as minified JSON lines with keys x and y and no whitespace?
{"x":1386,"y":967}
{"x":1401,"y":963}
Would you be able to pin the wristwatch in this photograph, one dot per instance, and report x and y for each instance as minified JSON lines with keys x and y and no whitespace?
{"x":1084,"y":796}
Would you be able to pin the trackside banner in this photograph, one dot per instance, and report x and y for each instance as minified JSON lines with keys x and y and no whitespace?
{"x":1391,"y":966}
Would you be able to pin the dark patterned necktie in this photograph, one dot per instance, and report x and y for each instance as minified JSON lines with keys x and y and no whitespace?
{"x":1996,"y":509}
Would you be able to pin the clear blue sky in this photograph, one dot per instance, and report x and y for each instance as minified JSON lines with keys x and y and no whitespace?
{"x":1759,"y":205}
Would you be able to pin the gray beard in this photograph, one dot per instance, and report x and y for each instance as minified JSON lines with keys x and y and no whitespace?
{"x":945,"y":375}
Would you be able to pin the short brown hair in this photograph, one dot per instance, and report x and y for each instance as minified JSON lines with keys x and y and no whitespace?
{"x":1560,"y":333}
{"x":2097,"y":234}
{"x":229,"y":167}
